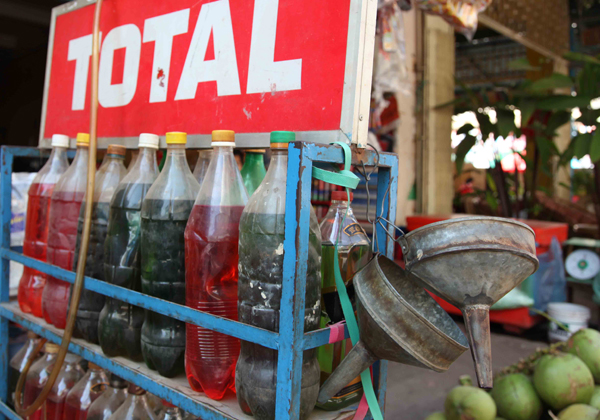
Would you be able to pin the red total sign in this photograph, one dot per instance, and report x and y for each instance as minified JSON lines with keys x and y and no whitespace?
{"x":252,"y":66}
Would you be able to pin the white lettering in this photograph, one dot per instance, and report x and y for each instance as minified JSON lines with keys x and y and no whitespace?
{"x":214,"y":17}
{"x":80,"y":50}
{"x":162,"y":29}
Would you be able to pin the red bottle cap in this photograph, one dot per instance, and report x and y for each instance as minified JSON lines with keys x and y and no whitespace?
{"x":341,"y":196}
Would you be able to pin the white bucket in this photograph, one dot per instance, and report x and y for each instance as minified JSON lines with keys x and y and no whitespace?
{"x":574,"y":317}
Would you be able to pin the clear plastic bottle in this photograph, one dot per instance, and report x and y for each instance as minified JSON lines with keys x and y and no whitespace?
{"x":170,"y":412}
{"x":165,"y":212}
{"x":18,"y":362}
{"x":108,"y":177}
{"x":120,"y":324}
{"x":85,"y":392}
{"x":70,"y":373}
{"x":253,"y":171}
{"x":211,"y":258}
{"x":62,"y":235}
{"x":204,"y":156}
{"x":354,"y":252}
{"x":35,"y":244}
{"x":37,"y":377}
{"x":262,"y":230}
{"x":135,"y":407}
{"x":111,"y":399}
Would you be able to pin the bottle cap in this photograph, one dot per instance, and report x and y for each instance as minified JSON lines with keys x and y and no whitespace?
{"x":83,"y":139}
{"x":31,"y":334}
{"x":148,"y":140}
{"x":60,"y":140}
{"x":93,"y":366}
{"x":51,"y":348}
{"x":261,"y":151}
{"x":176,"y":137}
{"x":223,"y":138}
{"x":280,"y":139}
{"x":116,"y":149}
{"x":341,"y":196}
{"x":72,"y":358}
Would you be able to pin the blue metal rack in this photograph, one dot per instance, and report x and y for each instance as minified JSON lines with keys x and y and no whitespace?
{"x":291,"y":340}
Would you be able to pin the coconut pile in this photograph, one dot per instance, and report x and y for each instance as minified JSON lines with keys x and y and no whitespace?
{"x":557,"y":382}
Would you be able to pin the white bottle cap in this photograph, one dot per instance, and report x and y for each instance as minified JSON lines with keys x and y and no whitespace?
{"x":148,"y":140}
{"x":60,"y":140}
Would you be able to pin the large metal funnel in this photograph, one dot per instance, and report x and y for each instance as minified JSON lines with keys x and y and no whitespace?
{"x":398,"y":321}
{"x":472,"y":262}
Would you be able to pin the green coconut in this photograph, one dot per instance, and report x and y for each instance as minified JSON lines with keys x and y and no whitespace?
{"x":516,"y":399}
{"x":563,"y":379}
{"x":469,"y":403}
{"x":585,"y":344}
{"x":595,"y":400}
{"x":436,"y":416}
{"x":579,"y":412}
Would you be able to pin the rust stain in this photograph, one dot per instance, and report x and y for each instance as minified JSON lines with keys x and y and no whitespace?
{"x":160,"y":75}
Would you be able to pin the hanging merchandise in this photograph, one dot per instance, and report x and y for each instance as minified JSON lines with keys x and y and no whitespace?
{"x":37,"y":378}
{"x":136,"y":406}
{"x":85,"y":392}
{"x":204,"y":156}
{"x":108,"y":177}
{"x":253,"y":171}
{"x":165,"y":212}
{"x":461,"y":14}
{"x":111,"y":399}
{"x":32,"y":281}
{"x":120,"y":324}
{"x":211,"y":251}
{"x":262,"y":230}
{"x":70,"y":373}
{"x":18,"y":362}
{"x":62,"y":235}
{"x":354,"y":252}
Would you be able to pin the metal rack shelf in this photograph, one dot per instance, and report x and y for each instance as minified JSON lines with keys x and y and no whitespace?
{"x":291,"y":340}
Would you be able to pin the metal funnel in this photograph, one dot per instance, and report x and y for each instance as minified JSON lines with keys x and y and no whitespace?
{"x":398,"y":321}
{"x":472,"y":262}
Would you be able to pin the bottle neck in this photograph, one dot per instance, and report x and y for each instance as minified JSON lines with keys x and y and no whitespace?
{"x":146,"y":160}
{"x":254,"y":159}
{"x":278,"y":164}
{"x":176,"y":157}
{"x":81,"y":156}
{"x":57,"y":155}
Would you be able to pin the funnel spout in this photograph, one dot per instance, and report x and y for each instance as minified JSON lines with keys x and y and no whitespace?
{"x":357,"y":360}
{"x":477,"y":321}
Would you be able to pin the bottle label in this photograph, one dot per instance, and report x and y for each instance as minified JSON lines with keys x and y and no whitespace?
{"x":353,"y":229}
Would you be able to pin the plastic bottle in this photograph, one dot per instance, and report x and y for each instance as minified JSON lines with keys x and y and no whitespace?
{"x":170,"y":412}
{"x":108,"y":177}
{"x":111,"y":399}
{"x":165,"y":212}
{"x":32,"y":281}
{"x":85,"y":392}
{"x":136,"y":405}
{"x":253,"y":171}
{"x":70,"y":373}
{"x":262,"y":229}
{"x":211,"y":258}
{"x":204,"y":156}
{"x":62,"y":235}
{"x":354,"y":252}
{"x":37,"y":377}
{"x":120,"y":324}
{"x":18,"y":362}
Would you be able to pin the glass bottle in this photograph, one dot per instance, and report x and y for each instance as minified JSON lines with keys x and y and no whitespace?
{"x":18,"y":362}
{"x":204,"y":156}
{"x":120,"y":324}
{"x":165,"y":212}
{"x":111,"y":399}
{"x":253,"y":171}
{"x":35,"y":244}
{"x":136,"y":405}
{"x":37,"y":377}
{"x":354,"y":252}
{"x":62,"y":235}
{"x":262,"y":230}
{"x":108,"y":177}
{"x":70,"y":373}
{"x":85,"y":392}
{"x":211,"y":257}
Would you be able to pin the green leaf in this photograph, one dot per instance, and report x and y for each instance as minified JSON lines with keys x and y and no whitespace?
{"x":465,"y":129}
{"x":554,"y":81}
{"x":595,"y":147}
{"x":545,"y":148}
{"x":568,"y":154}
{"x":557,"y":120}
{"x":527,"y":108}
{"x":506,"y":122}
{"x":522,"y":64}
{"x":561,"y":102}
{"x":491,"y":200}
{"x":575,"y":56}
{"x":589,"y":116}
{"x":461,"y":151}
{"x":582,"y":145}
{"x":485,"y":125}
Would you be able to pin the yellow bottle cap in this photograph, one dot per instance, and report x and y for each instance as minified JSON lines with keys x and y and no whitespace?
{"x":223,"y":138}
{"x":83,"y":139}
{"x":176,"y":137}
{"x":51,"y":348}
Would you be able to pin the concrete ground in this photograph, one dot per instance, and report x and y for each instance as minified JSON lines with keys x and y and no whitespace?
{"x":415,"y":393}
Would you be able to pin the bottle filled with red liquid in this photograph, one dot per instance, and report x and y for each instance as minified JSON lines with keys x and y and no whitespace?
{"x":18,"y":362}
{"x":62,"y":235}
{"x":84,"y":393}
{"x":32,"y":281}
{"x":211,"y":269}
{"x":37,"y":378}
{"x":70,"y":373}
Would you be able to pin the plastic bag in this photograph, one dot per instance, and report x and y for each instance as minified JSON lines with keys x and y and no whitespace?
{"x":21,"y":181}
{"x":461,"y":14}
